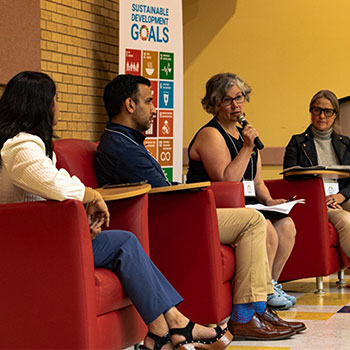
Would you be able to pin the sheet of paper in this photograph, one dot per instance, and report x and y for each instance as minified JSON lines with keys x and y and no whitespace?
{"x":284,"y":208}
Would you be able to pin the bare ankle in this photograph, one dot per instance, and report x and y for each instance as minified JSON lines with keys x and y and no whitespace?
{"x":159,"y":326}
{"x":175,"y":319}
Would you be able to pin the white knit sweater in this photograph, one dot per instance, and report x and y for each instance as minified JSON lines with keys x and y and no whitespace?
{"x":27,"y":174}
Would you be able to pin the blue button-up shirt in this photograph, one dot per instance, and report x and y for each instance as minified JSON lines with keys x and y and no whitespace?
{"x":122,"y":157}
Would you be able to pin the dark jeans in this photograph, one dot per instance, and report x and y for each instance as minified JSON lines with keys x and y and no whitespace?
{"x":146,"y":287}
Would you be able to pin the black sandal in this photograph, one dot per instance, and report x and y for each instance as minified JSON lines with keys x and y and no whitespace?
{"x":219,"y":342}
{"x":159,"y":341}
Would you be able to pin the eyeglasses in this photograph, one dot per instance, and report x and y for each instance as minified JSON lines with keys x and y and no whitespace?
{"x":326,"y":111}
{"x":227,"y":100}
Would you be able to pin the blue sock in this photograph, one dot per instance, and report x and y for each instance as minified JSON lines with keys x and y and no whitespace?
{"x":242,"y":313}
{"x":259,"y":307}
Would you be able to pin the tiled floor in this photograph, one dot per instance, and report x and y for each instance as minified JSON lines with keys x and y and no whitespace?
{"x":326,"y":316}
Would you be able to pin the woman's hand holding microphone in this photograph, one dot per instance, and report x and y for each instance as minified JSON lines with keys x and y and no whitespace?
{"x":249,"y":133}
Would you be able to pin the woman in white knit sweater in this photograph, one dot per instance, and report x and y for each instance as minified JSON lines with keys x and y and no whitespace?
{"x":28,"y":112}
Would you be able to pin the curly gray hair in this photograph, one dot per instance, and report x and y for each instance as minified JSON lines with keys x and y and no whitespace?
{"x":217,"y":87}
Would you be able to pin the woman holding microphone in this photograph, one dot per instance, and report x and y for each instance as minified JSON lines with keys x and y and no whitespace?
{"x":223,"y":151}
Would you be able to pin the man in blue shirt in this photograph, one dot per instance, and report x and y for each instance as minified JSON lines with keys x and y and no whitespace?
{"x":122,"y":157}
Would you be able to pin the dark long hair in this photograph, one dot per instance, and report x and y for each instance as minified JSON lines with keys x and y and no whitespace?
{"x":27,"y":106}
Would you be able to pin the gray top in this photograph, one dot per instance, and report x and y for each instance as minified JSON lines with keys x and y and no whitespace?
{"x":325,"y":151}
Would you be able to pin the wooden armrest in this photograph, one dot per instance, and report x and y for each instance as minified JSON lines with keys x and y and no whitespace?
{"x":110,"y":194}
{"x":333,"y":174}
{"x":181,"y":187}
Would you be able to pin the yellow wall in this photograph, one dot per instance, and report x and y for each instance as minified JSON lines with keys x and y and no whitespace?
{"x":286,"y":50}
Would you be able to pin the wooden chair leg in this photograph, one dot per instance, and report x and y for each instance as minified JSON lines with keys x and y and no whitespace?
{"x":319,"y":286}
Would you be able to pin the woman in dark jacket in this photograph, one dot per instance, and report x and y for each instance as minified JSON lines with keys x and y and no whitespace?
{"x":321,"y":145}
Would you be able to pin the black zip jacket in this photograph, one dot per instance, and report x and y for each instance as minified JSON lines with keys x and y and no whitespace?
{"x":301,"y":151}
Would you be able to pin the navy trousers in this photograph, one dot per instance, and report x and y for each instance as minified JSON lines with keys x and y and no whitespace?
{"x":145,"y":285}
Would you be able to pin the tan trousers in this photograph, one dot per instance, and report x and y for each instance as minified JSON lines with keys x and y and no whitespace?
{"x":246,"y":228}
{"x":341,"y":221}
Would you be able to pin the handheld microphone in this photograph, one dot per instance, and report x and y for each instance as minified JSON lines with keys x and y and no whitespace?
{"x":241,"y":119}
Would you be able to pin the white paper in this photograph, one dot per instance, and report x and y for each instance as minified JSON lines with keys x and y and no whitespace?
{"x":283,"y":208}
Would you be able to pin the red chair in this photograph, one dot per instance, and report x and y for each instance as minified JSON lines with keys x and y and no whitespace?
{"x":185,"y":245}
{"x":316,"y":252}
{"x":51,"y":296}
{"x":104,"y":317}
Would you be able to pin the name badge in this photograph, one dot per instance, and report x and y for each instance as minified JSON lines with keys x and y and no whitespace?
{"x":331,"y":186}
{"x":249,"y":189}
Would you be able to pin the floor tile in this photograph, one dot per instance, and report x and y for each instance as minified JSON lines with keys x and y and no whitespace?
{"x":344,"y":309}
{"x":326,"y":316}
{"x":339,"y":298}
{"x":299,"y":315}
{"x":239,"y":347}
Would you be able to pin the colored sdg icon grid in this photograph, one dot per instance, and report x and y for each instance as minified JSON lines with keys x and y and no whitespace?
{"x":166,"y":65}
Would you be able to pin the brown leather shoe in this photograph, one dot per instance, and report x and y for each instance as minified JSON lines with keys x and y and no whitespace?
{"x":258,"y":329}
{"x":272,"y":317}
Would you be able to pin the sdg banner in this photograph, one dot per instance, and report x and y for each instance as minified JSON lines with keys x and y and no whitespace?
{"x":151,"y":45}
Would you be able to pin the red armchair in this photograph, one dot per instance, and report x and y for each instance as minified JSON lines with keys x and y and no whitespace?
{"x":185,"y":245}
{"x":51,"y":295}
{"x":316,"y":252}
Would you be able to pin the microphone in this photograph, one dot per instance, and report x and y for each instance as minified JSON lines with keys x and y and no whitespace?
{"x":241,"y":119}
